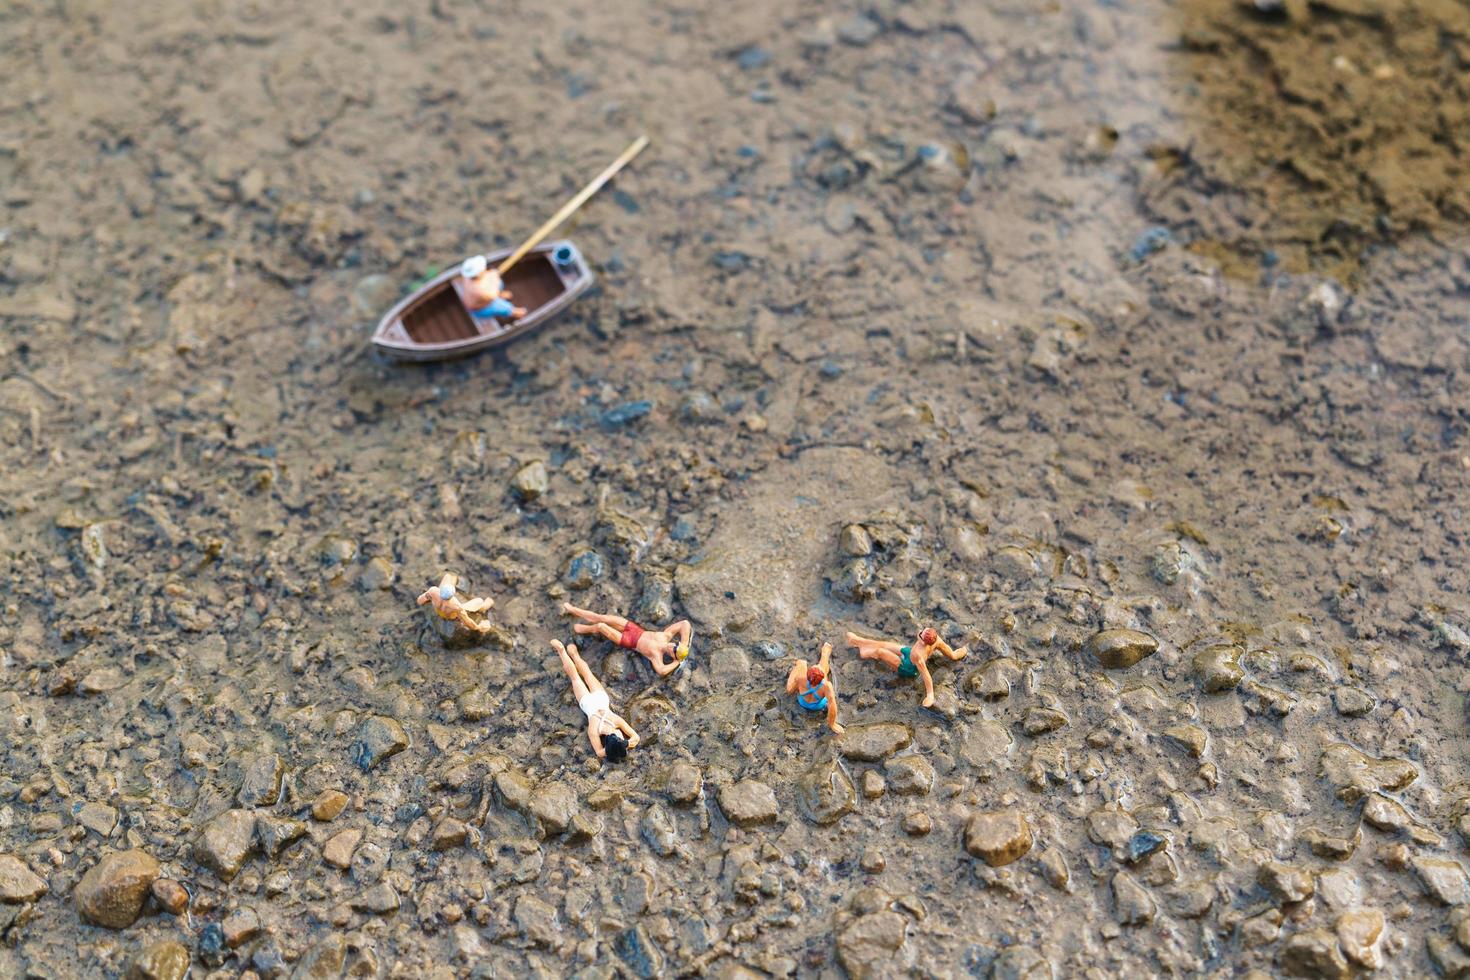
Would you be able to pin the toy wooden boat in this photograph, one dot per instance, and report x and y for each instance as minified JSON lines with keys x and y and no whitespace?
{"x":433,"y":324}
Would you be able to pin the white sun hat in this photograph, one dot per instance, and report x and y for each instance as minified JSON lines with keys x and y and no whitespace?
{"x":473,"y":266}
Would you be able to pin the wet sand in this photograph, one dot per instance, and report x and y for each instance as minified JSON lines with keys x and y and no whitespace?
{"x":1033,"y":325}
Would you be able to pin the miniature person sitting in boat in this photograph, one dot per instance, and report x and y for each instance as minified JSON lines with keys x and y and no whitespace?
{"x":484,"y":293}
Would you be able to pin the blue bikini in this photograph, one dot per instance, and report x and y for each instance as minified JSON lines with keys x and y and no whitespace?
{"x":804,"y":699}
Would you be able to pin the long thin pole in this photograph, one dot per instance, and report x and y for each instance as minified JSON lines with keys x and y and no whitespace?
{"x":635,"y":148}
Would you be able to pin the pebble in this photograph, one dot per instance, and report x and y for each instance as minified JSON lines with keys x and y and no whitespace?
{"x":993,"y":681}
{"x":328,"y":804}
{"x":909,"y":775}
{"x":1443,"y":878}
{"x":211,"y":945}
{"x":1218,"y":669}
{"x":641,"y":954}
{"x":1040,"y":721}
{"x":379,"y":738}
{"x":858,"y":30}
{"x":1133,"y":904}
{"x":381,"y":899}
{"x":112,"y":892}
{"x":1353,"y":702}
{"x":1385,"y":814}
{"x":448,"y":834}
{"x":166,"y":960}
{"x":1313,"y":953}
{"x":18,"y":883}
{"x":339,"y":848}
{"x":1358,"y":932}
{"x":1020,"y":963}
{"x":917,"y":823}
{"x":378,"y":574}
{"x":825,"y":792}
{"x":323,"y":961}
{"x":1112,"y":826}
{"x":1339,"y":888}
{"x":554,"y":804}
{"x":261,"y":784}
{"x":1286,"y":883}
{"x":684,"y":783}
{"x":583,"y":569}
{"x":530,"y":481}
{"x":1142,"y":844}
{"x":657,"y":828}
{"x":171,"y":896}
{"x":1354,"y":774}
{"x":729,"y":667}
{"x":99,"y":818}
{"x":855,"y":541}
{"x":1191,"y":738}
{"x":1117,"y":649}
{"x":874,"y":785}
{"x":620,"y":415}
{"x":274,"y":834}
{"x":876,"y":742}
{"x":225,"y":842}
{"x":748,"y":802}
{"x":872,"y":861}
{"x":998,"y":837}
{"x":866,"y":945}
{"x":700,"y":408}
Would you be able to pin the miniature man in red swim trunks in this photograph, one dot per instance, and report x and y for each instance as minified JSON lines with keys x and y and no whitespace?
{"x":659,"y":646}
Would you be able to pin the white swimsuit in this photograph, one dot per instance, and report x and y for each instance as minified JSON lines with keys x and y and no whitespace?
{"x":594,"y":703}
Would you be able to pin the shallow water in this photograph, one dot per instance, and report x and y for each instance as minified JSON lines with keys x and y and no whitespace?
{"x":1096,"y":316}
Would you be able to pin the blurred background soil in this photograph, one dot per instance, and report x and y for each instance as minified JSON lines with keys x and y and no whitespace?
{"x":1034,"y":322}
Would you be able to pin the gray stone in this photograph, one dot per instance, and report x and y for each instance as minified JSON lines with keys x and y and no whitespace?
{"x":909,"y":775}
{"x":998,"y":837}
{"x":1354,"y":774}
{"x":657,"y":828}
{"x":112,"y":892}
{"x":748,"y":802}
{"x":379,"y":738}
{"x":536,"y":920}
{"x":225,"y":842}
{"x":684,"y":783}
{"x":867,"y":946}
{"x":18,"y":883}
{"x":1313,"y":953}
{"x":274,"y":834}
{"x":1285,"y":882}
{"x":825,"y":792}
{"x":554,"y":805}
{"x":874,"y":743}
{"x":859,"y":30}
{"x":641,"y":954}
{"x":261,"y":783}
{"x":1117,"y":649}
{"x":530,"y":481}
{"x":1020,"y":963}
{"x":1443,"y":878}
{"x":1132,"y":902}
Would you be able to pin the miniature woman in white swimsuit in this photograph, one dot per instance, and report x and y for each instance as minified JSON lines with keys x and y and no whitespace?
{"x":605,"y":730}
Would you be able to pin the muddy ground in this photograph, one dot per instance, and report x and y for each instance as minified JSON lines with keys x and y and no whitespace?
{"x":1033,"y":322}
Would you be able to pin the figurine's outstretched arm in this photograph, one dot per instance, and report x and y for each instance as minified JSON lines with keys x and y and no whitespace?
{"x":627,"y":730}
{"x":928,"y":682}
{"x":685,"y":631}
{"x":949,"y":651}
{"x":595,"y":739}
{"x":428,"y":596}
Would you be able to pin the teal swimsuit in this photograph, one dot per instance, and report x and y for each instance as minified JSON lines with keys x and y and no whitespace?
{"x":906,"y":666}
{"x":804,"y":698}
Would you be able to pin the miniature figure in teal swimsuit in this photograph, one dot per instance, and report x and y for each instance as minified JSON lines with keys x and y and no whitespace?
{"x":908,"y":661}
{"x":813,"y":687}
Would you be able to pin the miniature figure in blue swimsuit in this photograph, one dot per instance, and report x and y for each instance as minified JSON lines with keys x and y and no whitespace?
{"x":813,"y":687}
{"x":908,"y":661}
{"x":484,"y":293}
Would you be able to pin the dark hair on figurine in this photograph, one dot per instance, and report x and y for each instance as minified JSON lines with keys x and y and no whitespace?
{"x":615,"y":746}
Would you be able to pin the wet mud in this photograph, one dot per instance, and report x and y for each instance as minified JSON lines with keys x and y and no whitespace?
{"x":915,"y":313}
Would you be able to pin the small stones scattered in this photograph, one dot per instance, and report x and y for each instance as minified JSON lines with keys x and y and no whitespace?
{"x":876,"y":742}
{"x":826,"y":793}
{"x":998,"y":837}
{"x":1286,"y":883}
{"x":225,"y":842}
{"x":684,"y":783}
{"x":339,"y":849}
{"x":328,"y":804}
{"x":1313,"y":953}
{"x":166,"y":960}
{"x":261,"y":784}
{"x":1444,"y":879}
{"x":1117,"y":649}
{"x":909,"y":775}
{"x":379,"y":738}
{"x":748,"y":802}
{"x":111,"y":893}
{"x":18,"y":883}
{"x":1133,"y":904}
{"x":1218,"y":669}
{"x":530,"y":481}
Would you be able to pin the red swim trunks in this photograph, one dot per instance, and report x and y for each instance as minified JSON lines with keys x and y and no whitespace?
{"x":632,"y":633}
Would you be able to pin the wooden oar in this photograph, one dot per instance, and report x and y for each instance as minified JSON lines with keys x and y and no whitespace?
{"x":635,"y":148}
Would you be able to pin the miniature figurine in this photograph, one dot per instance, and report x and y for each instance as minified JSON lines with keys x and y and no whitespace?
{"x":484,"y":292}
{"x":610,"y":735}
{"x":818,"y":694}
{"x":449,"y":607}
{"x":656,"y":645}
{"x":910,"y":661}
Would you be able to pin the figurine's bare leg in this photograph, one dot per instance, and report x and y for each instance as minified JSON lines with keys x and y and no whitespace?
{"x":928,"y":683}
{"x":883,"y":654}
{"x":579,"y":689}
{"x":797,"y":675}
{"x":616,"y":622}
{"x":469,"y":623}
{"x":598,"y":629}
{"x":593,"y":684}
{"x":868,"y":649}
{"x":825,"y":663}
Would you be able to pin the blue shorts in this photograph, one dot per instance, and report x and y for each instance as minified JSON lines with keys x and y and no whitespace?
{"x":499,"y":307}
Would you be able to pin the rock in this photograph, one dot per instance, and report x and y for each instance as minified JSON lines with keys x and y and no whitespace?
{"x":530,"y":481}
{"x":1339,"y":888}
{"x":448,"y":834}
{"x":171,"y":896}
{"x":1261,"y":929}
{"x":1040,"y":721}
{"x":1450,"y":959}
{"x":825,"y":793}
{"x":99,"y":818}
{"x":1358,"y":932}
{"x":381,"y":899}
{"x":1191,"y":738}
{"x":18,"y":883}
{"x":909,"y":775}
{"x":1385,"y":814}
{"x":554,"y":805}
{"x":583,"y":569}
{"x":993,"y":681}
{"x":240,"y":926}
{"x":1286,"y":883}
{"x":275,"y":834}
{"x":621,"y":415}
{"x":638,"y":950}
{"x":1353,"y":774}
{"x":684,"y":783}
{"x":1193,"y":900}
{"x":1112,"y":826}
{"x":378,"y":574}
{"x":261,"y":784}
{"x":1054,"y":869}
{"x":378,"y":739}
{"x":166,"y":960}
{"x":536,"y":920}
{"x":1132,"y":902}
{"x":855,"y":541}
{"x":1217,"y":668}
{"x":917,"y":823}
{"x":1443,"y":878}
{"x":657,"y":828}
{"x":874,"y":743}
{"x":338,"y":849}
{"x":111,"y":894}
{"x":1313,"y":953}
{"x":328,"y":804}
{"x":1020,"y":963}
{"x":1142,"y":844}
{"x":998,"y":837}
{"x":748,"y":802}
{"x":865,"y":948}
{"x":1353,"y":702}
{"x":514,"y":789}
{"x":859,"y":30}
{"x":225,"y":842}
{"x":323,"y":961}
{"x":1117,"y":649}
{"x":874,"y":785}
{"x":729,"y":667}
